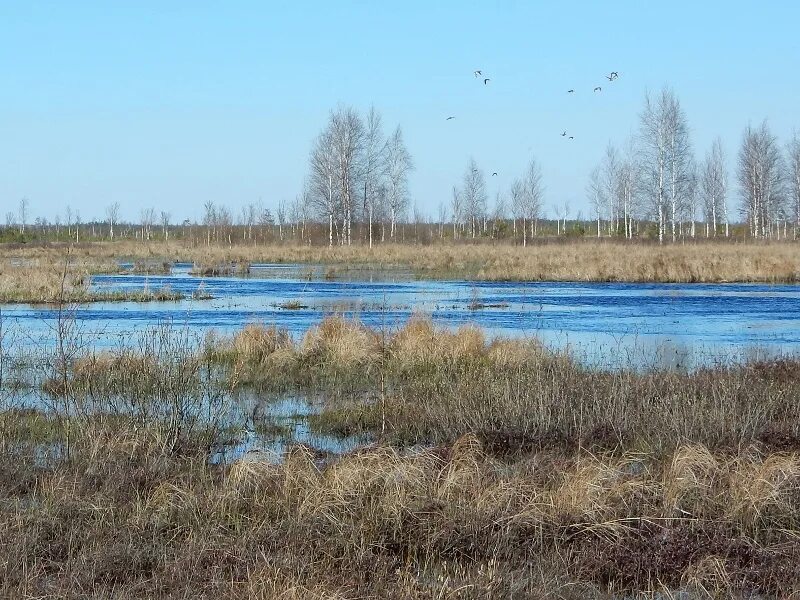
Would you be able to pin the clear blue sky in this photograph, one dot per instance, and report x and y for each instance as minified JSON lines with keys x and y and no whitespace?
{"x":171,"y":104}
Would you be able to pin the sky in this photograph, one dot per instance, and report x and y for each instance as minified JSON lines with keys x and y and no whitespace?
{"x":172,"y":104}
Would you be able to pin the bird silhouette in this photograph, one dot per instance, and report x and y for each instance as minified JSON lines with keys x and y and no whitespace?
{"x":478,"y":72}
{"x":572,"y":137}
{"x":598,"y":89}
{"x":614,"y":75}
{"x":485,"y":81}
{"x":448,"y":118}
{"x":494,"y":174}
{"x":564,"y":134}
{"x":570,"y":91}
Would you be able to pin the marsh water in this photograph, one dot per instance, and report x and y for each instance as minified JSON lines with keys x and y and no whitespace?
{"x":603,"y":324}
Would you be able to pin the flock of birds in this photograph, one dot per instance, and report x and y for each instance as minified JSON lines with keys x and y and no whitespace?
{"x":613,"y":76}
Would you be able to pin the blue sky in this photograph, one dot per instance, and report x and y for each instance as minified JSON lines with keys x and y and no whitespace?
{"x":172,"y":104}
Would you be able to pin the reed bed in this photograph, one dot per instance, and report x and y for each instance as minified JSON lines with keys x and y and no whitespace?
{"x":547,"y":260}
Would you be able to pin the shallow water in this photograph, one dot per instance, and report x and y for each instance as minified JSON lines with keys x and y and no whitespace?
{"x":604,"y":324}
{"x":288,"y":418}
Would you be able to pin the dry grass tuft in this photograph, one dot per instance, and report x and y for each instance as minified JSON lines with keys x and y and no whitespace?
{"x":340,"y":342}
{"x":689,"y":480}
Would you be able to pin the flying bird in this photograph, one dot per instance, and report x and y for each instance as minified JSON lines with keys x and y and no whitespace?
{"x":572,"y":137}
{"x":570,"y":91}
{"x":614,"y":75}
{"x":494,"y":174}
{"x":598,"y":89}
{"x":564,"y":134}
{"x":478,"y":72}
{"x":485,"y":81}
{"x":448,"y":118}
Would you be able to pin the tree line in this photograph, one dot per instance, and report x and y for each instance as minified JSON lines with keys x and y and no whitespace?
{"x":357,"y":189}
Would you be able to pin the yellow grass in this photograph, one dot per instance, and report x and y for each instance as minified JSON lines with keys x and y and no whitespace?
{"x":580,"y":260}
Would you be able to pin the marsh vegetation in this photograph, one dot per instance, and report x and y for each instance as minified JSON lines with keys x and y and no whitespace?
{"x":491,"y":468}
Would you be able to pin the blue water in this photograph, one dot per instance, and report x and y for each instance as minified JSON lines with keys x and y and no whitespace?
{"x":603,"y":323}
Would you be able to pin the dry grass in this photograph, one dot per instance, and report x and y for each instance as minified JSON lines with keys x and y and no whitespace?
{"x":526,"y":476}
{"x":581,"y":260}
{"x":123,"y":520}
{"x":51,"y":279}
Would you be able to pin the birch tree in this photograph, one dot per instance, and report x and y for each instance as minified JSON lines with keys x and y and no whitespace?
{"x":474,"y":196}
{"x":398,"y":165}
{"x":23,"y":214}
{"x":594,"y":191}
{"x":322,"y":194}
{"x":517,"y":199}
{"x":793,"y":179}
{"x":534,"y":197}
{"x":680,"y":163}
{"x":653,"y":165}
{"x":760,"y":179}
{"x":373,"y":165}
{"x":714,"y":189}
{"x":457,"y":209}
{"x":112,"y":212}
{"x":347,"y":137}
{"x":165,"y":216}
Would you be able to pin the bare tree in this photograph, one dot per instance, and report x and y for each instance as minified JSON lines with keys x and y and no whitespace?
{"x":23,"y":214}
{"x":517,"y":198}
{"x":680,"y":162}
{"x":112,"y":212}
{"x":442,"y":218}
{"x":322,"y":193}
{"x":498,"y":213}
{"x":594,"y":191}
{"x":148,"y":217}
{"x":474,"y":196}
{"x":347,"y":138}
{"x":793,"y":179}
{"x":457,"y":209}
{"x":534,"y":197}
{"x":714,"y":188}
{"x":628,"y":186}
{"x":760,"y":180}
{"x":397,"y":167}
{"x":209,"y":219}
{"x":280,"y":213}
{"x":165,"y":216}
{"x":654,"y":155}
{"x":373,"y":167}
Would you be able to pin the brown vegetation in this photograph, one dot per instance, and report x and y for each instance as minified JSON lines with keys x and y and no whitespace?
{"x":512,"y":472}
{"x":122,"y":519}
{"x":52,"y":279}
{"x":574,"y":260}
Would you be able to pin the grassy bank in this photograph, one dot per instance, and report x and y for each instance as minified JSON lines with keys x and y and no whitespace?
{"x":575,"y":260}
{"x":65,"y":279}
{"x":501,"y":469}
{"x":421,"y":384}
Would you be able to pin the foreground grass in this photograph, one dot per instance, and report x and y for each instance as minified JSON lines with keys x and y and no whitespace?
{"x":580,"y":260}
{"x":502,"y":470}
{"x":121,"y":519}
